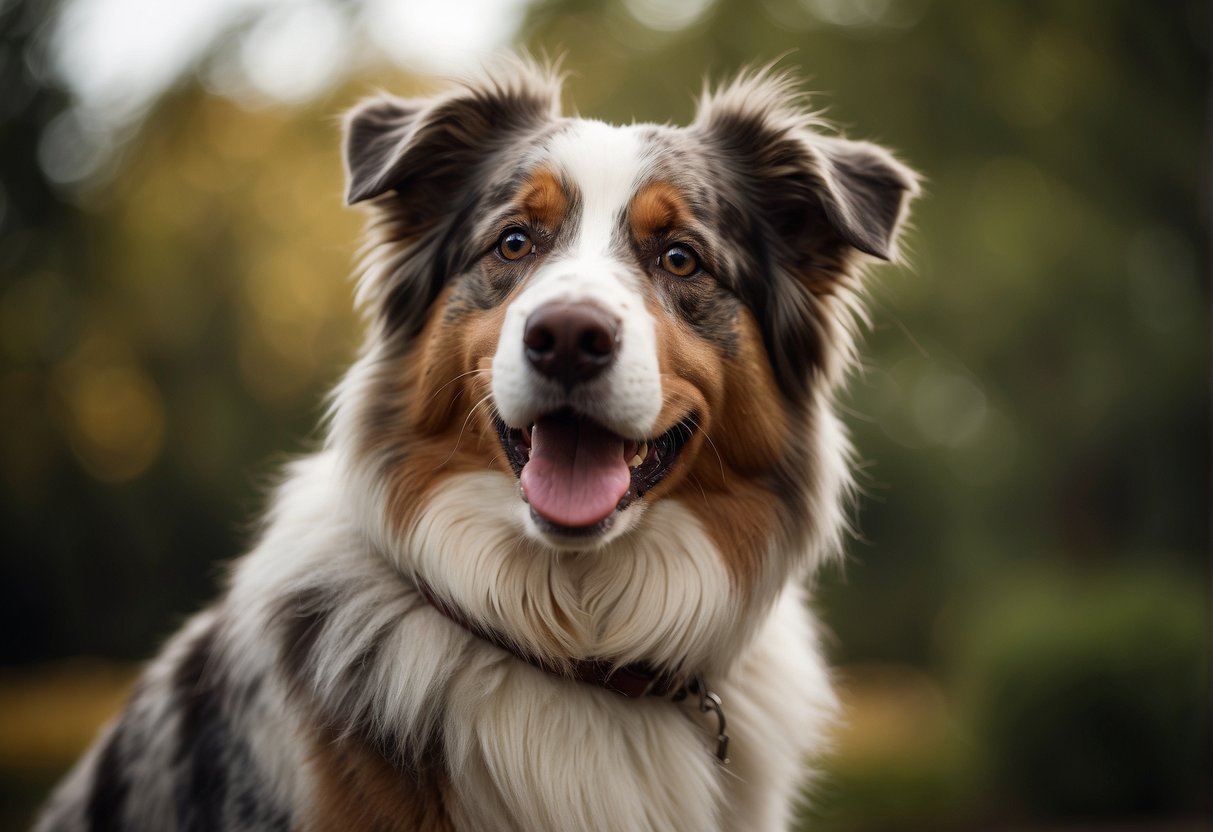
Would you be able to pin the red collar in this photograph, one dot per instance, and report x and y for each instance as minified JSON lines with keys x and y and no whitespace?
{"x":631,"y":680}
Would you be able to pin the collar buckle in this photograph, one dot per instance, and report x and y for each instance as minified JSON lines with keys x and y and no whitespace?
{"x":710,"y":702}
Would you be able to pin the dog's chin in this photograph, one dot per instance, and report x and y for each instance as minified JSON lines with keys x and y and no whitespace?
{"x":590,"y":508}
{"x":583,"y":538}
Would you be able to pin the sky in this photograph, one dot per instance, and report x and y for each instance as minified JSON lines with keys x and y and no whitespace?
{"x":117,"y":56}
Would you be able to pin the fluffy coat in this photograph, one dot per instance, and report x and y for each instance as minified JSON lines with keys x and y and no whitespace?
{"x":322,"y":690}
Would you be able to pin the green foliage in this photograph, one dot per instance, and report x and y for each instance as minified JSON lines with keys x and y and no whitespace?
{"x":1089,"y":699}
{"x":921,"y":791}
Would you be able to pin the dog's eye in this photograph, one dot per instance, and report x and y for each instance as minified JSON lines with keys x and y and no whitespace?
{"x":679,"y":261}
{"x":514,"y":244}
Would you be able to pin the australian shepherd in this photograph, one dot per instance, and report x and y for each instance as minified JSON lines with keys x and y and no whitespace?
{"x":547,"y":571}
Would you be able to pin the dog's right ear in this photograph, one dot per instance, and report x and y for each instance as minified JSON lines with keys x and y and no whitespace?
{"x":376,"y":137}
{"x":423,"y":165}
{"x":425,"y":148}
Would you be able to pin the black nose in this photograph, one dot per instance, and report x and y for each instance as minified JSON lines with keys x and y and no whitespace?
{"x":571,"y":342}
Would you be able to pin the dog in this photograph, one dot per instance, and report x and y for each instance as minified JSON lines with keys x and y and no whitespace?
{"x":547,"y":570}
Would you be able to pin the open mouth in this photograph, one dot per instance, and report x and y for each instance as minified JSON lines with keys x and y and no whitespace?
{"x":577,"y":475}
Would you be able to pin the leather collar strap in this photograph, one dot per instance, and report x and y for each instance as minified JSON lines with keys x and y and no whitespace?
{"x":631,"y":680}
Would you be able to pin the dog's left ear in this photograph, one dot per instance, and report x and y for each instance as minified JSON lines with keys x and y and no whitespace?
{"x":865,"y":193}
{"x":803,"y":203}
{"x":760,"y":131}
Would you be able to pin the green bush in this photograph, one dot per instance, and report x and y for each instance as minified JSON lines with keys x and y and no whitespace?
{"x":1090,"y":700}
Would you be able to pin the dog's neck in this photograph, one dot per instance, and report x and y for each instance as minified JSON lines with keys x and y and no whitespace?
{"x":660,"y":596}
{"x":632,"y":680}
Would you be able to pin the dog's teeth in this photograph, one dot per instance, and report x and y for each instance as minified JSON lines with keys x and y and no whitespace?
{"x":642,"y":451}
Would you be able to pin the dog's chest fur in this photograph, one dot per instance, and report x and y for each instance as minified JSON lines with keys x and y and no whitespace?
{"x":533,"y":752}
{"x":371,"y":738}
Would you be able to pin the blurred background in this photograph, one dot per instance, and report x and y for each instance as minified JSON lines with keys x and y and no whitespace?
{"x":1022,"y":629}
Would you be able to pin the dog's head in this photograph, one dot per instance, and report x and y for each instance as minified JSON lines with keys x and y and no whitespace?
{"x":613,"y":319}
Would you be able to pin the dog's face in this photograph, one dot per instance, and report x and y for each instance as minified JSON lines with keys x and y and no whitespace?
{"x":614,"y":317}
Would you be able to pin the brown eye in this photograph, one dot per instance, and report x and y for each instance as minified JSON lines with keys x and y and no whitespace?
{"x":679,"y":261}
{"x":514,"y":245}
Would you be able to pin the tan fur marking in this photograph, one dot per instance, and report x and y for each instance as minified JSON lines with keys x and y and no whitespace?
{"x":739,"y":408}
{"x":751,"y":427}
{"x":355,"y":788}
{"x":440,"y":387}
{"x":753,"y":421}
{"x":657,"y":208}
{"x":543,"y":200}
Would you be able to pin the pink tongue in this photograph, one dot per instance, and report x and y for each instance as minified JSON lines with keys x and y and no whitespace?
{"x":576,"y":475}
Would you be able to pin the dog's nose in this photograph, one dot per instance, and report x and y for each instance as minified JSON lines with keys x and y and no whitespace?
{"x":571,"y":342}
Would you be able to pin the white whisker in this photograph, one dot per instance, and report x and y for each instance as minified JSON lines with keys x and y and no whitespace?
{"x":456,"y":378}
{"x":720,"y":461}
{"x":471,"y":411}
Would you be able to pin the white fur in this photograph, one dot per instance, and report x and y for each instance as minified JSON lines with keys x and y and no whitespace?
{"x":528,"y":751}
{"x":659,"y":593}
{"x":606,"y":164}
